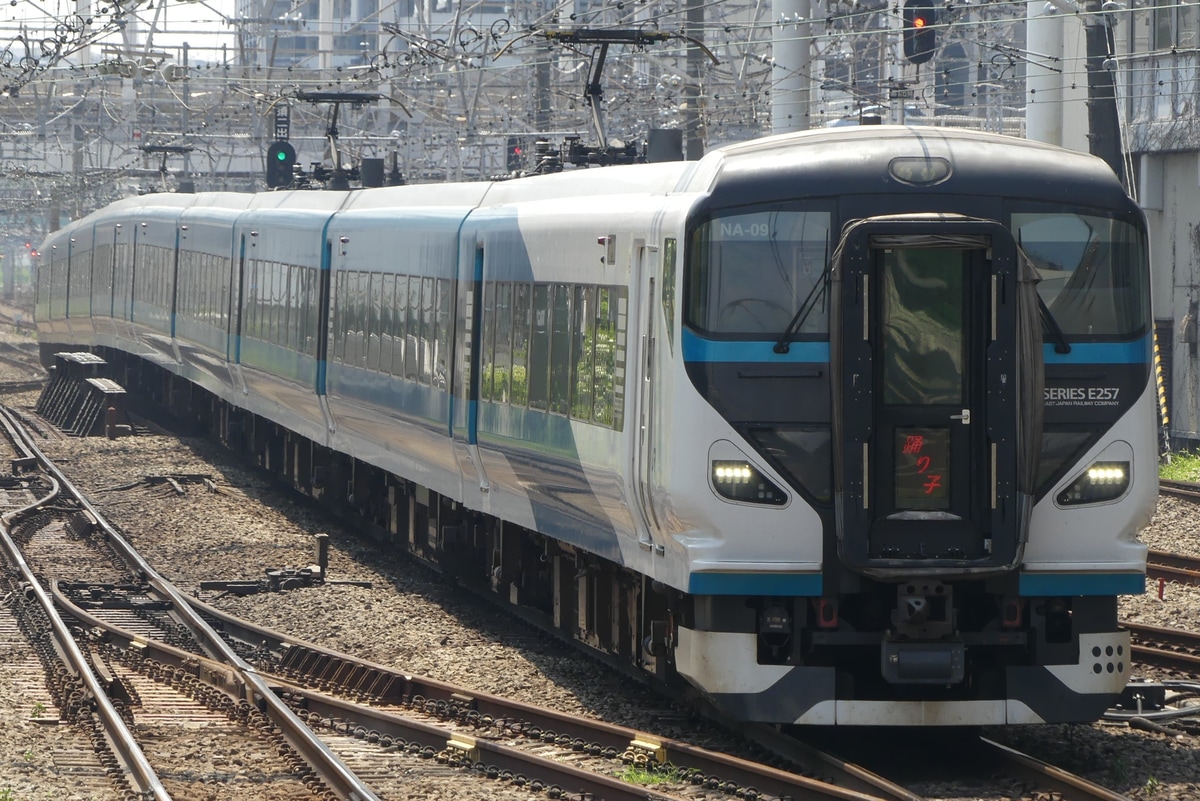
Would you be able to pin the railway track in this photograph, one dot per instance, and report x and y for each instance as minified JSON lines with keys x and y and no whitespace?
{"x":392,"y":711}
{"x":313,"y":665}
{"x":1173,"y":567}
{"x":74,"y":679}
{"x":59,"y":536}
{"x":1171,"y":649}
{"x":20,"y":368}
{"x":372,"y":718}
{"x":1043,"y":780}
{"x":129,"y":657}
{"x":459,"y":727}
{"x":1179,"y":489}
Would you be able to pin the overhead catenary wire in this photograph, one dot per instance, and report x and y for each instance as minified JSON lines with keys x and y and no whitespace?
{"x":453,"y":80}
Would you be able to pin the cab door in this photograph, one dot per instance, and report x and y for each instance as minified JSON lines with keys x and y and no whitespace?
{"x":930,"y":396}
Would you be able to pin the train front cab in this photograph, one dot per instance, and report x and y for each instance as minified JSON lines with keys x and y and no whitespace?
{"x":944,"y":612}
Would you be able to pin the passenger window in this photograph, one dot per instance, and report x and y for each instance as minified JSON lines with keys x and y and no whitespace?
{"x":428,"y":301}
{"x":312,"y":314}
{"x":387,"y":342}
{"x":560,"y":350}
{"x":375,"y":319}
{"x":401,"y":330}
{"x":583,"y":329}
{"x":441,"y":369}
{"x":750,"y":271}
{"x":502,"y":360}
{"x":669,"y":255}
{"x":1091,"y":270}
{"x":412,"y":337}
{"x":487,"y":343}
{"x":522,"y":325}
{"x":279,"y":290}
{"x":250,"y":324}
{"x":605,"y":356}
{"x":539,"y":349}
{"x":337,"y":348}
{"x":621,"y":300}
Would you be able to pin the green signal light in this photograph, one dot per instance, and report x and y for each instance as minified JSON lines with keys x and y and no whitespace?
{"x":281,"y":156}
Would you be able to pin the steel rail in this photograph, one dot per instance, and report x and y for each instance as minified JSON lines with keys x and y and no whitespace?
{"x":487,"y":755}
{"x":393,"y":686}
{"x":1175,"y":567}
{"x":347,"y":716}
{"x":7,"y":387}
{"x":329,"y":768}
{"x":1060,"y":783}
{"x":1143,"y":634}
{"x":137,"y":769}
{"x":1179,"y":489}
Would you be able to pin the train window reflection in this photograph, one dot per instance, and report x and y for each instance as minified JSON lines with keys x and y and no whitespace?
{"x":502,"y":372}
{"x":583,"y":334}
{"x":539,"y":350}
{"x":557,"y":348}
{"x":560,"y":350}
{"x":1092,"y":271}
{"x":750,"y":271}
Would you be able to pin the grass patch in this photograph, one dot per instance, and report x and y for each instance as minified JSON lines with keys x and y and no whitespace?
{"x":636,"y":774}
{"x":1180,"y":467}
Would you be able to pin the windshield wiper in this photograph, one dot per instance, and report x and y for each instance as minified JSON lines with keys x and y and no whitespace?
{"x":1061,"y":345}
{"x":810,"y":303}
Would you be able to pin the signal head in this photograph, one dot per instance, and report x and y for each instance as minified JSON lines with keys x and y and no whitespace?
{"x":920,"y":35}
{"x":281,"y":157}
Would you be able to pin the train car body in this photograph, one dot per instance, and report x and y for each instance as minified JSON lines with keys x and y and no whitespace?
{"x":850,"y":427}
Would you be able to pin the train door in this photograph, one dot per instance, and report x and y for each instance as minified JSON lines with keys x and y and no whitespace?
{"x":104,"y":280}
{"x":465,"y":379}
{"x":237,"y":288}
{"x":72,"y":278}
{"x":237,"y":312}
{"x":643,"y":451}
{"x":124,"y":251}
{"x":324,"y":300}
{"x":928,"y":331}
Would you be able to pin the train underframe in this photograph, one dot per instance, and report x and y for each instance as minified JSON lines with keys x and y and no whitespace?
{"x":905,"y":653}
{"x":576,"y":594}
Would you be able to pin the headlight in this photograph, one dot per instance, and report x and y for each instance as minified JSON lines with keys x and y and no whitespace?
{"x":1102,"y":481}
{"x":741,"y":481}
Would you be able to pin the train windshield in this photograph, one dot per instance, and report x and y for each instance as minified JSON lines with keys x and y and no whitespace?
{"x":751,"y":269}
{"x":1094,"y":278}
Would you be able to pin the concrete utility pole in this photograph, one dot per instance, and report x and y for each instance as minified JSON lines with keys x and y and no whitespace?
{"x":791,"y":51}
{"x":693,"y":134}
{"x":1044,"y":73}
{"x":1104,"y":126}
{"x":543,"y":103}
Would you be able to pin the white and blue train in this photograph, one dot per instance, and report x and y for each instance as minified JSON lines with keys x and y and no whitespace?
{"x":850,"y":427}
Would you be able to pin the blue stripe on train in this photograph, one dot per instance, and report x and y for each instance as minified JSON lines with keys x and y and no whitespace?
{"x":1135,"y":352}
{"x":784,"y":584}
{"x":1070,"y":584}
{"x":699,"y":349}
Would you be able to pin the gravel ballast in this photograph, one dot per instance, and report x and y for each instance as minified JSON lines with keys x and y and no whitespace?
{"x":413,"y":619}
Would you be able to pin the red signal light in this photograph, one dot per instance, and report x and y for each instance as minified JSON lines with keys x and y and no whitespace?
{"x":920,"y":30}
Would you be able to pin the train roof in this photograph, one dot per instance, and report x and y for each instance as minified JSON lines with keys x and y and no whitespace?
{"x":857,"y":159}
{"x":652,"y":179}
{"x":841,"y":161}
